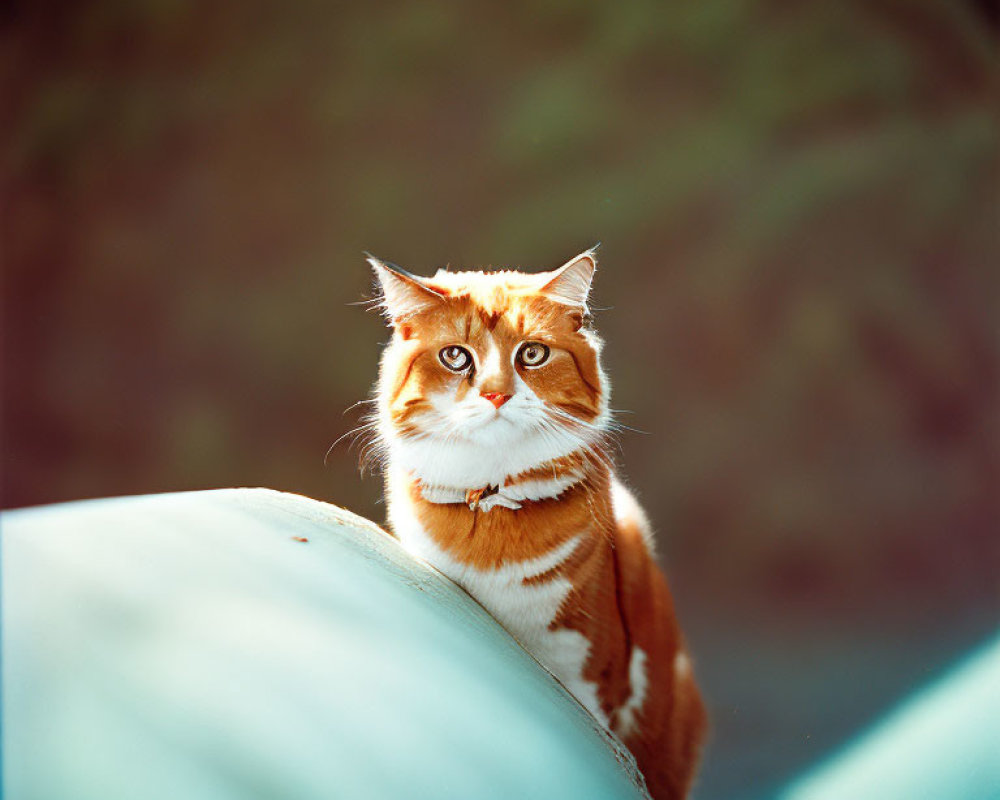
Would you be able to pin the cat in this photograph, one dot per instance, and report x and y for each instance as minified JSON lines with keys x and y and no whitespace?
{"x":492,"y":412}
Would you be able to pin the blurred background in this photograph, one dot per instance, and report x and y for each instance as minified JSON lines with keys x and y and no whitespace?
{"x":798,"y":210}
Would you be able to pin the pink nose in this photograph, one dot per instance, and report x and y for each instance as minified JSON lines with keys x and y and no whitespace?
{"x":496,"y":398}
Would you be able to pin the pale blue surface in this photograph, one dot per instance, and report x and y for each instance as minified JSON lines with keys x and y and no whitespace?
{"x":942,"y":744}
{"x":185,"y":646}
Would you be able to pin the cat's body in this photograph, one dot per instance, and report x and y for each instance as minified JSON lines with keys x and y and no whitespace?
{"x":493,"y":411}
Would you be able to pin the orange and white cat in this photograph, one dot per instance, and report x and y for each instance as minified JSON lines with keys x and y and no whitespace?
{"x":493,"y":414}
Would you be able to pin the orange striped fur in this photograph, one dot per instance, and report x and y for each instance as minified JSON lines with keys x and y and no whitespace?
{"x":493,"y":412}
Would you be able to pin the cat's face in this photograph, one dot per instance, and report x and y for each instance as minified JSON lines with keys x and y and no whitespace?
{"x":489,"y":373}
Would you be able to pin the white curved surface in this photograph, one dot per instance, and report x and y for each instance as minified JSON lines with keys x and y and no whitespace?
{"x":187,"y":646}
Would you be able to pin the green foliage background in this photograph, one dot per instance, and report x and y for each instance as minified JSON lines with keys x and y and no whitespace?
{"x":798,"y":210}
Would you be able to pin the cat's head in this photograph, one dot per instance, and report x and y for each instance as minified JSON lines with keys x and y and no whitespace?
{"x":489,"y":374}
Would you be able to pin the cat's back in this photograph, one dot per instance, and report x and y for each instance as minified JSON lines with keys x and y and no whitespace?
{"x":670,"y":722}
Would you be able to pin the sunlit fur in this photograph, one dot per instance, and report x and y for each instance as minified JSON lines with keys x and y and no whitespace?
{"x":519,"y":503}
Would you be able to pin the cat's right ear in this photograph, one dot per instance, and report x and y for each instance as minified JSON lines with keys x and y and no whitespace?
{"x":403,"y":294}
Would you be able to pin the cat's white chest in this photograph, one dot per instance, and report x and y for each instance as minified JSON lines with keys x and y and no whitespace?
{"x":524,"y":607}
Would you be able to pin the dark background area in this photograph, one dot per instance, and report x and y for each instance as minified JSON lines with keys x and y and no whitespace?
{"x":798,"y":210}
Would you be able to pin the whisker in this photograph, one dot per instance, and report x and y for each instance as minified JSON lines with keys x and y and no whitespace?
{"x":603,"y":435}
{"x":354,"y":432}
{"x":353,"y":406}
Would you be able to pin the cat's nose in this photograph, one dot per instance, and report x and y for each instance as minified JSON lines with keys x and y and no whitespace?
{"x":497,"y":398}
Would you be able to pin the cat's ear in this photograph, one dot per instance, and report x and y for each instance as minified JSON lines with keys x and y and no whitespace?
{"x":403,"y":294}
{"x":570,"y":284}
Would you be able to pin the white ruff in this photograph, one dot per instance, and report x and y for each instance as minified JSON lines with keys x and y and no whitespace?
{"x":524,"y":610}
{"x":467,"y":465}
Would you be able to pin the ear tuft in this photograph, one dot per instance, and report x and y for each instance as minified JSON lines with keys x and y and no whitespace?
{"x":570,"y":284}
{"x":403,"y":294}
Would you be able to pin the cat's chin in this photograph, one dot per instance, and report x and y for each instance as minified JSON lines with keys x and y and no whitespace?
{"x":487,"y":429}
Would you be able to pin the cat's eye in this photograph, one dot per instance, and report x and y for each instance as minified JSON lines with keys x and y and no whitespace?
{"x":532,"y":354}
{"x":455,"y":358}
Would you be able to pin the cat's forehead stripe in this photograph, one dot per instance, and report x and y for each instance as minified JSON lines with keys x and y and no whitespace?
{"x":490,"y":317}
{"x":470,"y":317}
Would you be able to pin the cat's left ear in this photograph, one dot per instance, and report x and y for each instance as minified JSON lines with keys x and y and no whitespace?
{"x":570,"y":284}
{"x":403,"y":294}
